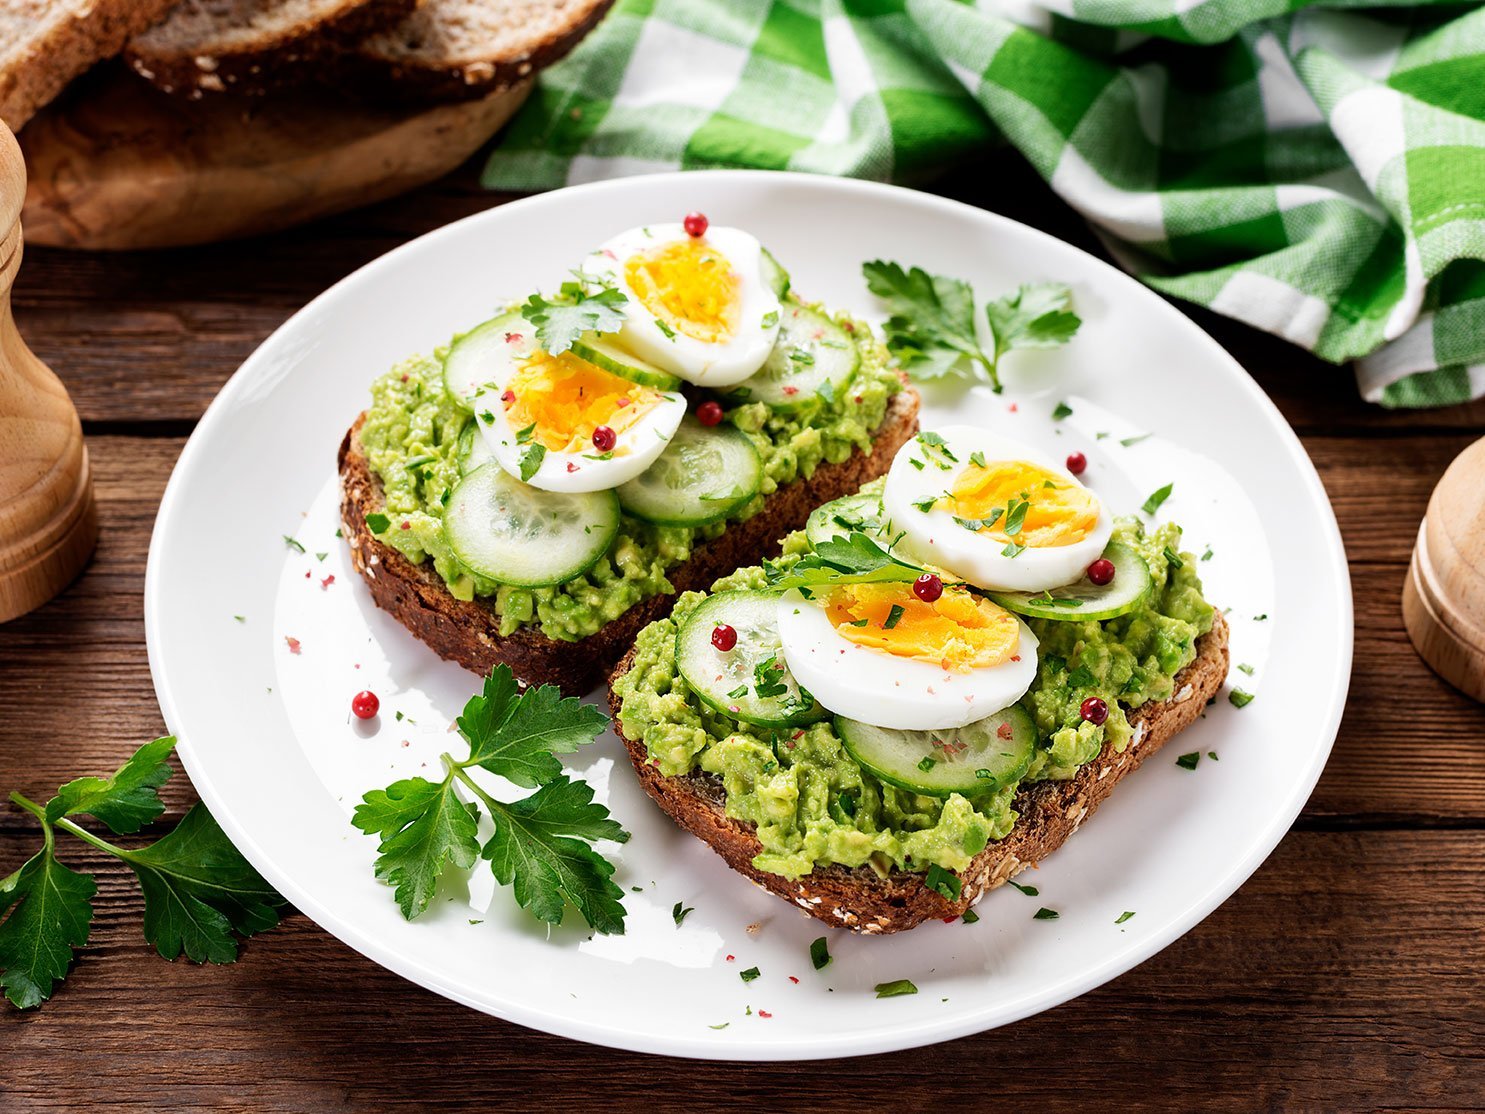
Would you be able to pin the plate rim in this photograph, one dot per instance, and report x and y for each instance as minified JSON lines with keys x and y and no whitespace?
{"x":827,"y":1046}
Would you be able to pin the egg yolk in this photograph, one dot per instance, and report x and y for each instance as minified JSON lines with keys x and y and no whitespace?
{"x":957,"y":631}
{"x":1058,"y":512}
{"x":689,"y":286}
{"x":565,"y":398}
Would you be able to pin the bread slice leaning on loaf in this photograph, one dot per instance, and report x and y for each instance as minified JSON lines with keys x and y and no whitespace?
{"x":251,"y":46}
{"x":456,"y":49}
{"x":468,"y":631}
{"x":44,"y":44}
{"x":864,"y":901}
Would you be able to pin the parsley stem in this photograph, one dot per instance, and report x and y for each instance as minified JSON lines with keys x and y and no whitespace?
{"x":40,"y":814}
{"x":454,"y":768}
{"x":66,"y":825}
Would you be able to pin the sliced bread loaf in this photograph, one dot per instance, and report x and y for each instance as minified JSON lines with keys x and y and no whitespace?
{"x":250,"y":46}
{"x":44,"y":44}
{"x":452,"y":49}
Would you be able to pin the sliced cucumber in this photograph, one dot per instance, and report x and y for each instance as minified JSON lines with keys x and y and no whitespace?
{"x":849,"y":515}
{"x":979,"y":758}
{"x":602,"y":352}
{"x":729,"y":681}
{"x":1083,"y":600}
{"x":704,"y":474}
{"x":813,"y":358}
{"x":474,"y":450}
{"x":522,"y":536}
{"x":486,"y":354}
{"x":775,"y":275}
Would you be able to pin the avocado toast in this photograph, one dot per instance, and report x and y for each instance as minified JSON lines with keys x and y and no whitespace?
{"x":790,"y":720}
{"x":539,"y":490}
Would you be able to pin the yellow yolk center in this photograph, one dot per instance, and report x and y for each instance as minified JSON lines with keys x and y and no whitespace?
{"x":957,"y":631}
{"x":1058,"y":512}
{"x":688,"y":285}
{"x":566,"y":398}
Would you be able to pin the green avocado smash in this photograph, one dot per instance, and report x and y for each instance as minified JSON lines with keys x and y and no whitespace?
{"x":813,"y":804}
{"x":411,"y":440}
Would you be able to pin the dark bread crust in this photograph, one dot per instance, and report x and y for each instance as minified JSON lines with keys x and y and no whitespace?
{"x":862,"y":900}
{"x":468,"y":632}
{"x":290,"y":57}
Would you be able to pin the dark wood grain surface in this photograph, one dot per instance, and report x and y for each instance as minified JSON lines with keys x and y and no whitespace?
{"x":1349,"y":973}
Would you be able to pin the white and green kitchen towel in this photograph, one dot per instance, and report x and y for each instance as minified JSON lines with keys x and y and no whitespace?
{"x":1314,"y":169}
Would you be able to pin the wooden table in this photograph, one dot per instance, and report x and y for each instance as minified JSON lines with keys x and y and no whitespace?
{"x":1348,"y":973}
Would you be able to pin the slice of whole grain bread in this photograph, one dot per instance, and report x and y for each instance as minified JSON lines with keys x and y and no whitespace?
{"x":251,"y":46}
{"x":44,"y":44}
{"x":864,"y":901}
{"x":468,"y":631}
{"x":452,"y":49}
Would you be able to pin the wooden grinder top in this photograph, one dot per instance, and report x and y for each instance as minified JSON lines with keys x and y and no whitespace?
{"x":1444,"y":594}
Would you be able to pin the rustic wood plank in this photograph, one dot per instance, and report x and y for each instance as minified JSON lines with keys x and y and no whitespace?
{"x":1349,"y":970}
{"x":79,"y":696}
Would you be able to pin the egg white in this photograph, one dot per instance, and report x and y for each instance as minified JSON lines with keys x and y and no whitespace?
{"x":696,"y":361}
{"x":875,"y":687}
{"x":635,"y":448}
{"x":934,"y":537}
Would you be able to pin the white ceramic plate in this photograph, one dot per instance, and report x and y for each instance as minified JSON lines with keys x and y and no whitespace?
{"x":267,"y":739}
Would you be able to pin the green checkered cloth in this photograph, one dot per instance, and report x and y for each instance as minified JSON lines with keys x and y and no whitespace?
{"x":1315,"y":170}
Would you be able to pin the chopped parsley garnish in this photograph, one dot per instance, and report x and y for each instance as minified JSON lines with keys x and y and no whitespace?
{"x":926,"y":505}
{"x":1239,"y":699}
{"x":377,"y":522}
{"x":1129,"y":441}
{"x":531,"y":460}
{"x":200,"y":894}
{"x":927,"y":762}
{"x":541,"y":845}
{"x":1045,"y":914}
{"x":749,"y":975}
{"x":1015,"y":515}
{"x":853,"y":559}
{"x":1029,"y":891}
{"x":826,"y":392}
{"x":1246,"y":668}
{"x":984,"y":775}
{"x":858,"y":622}
{"x":1260,"y":618}
{"x":739,"y":692}
{"x":819,"y":954}
{"x":770,"y":319}
{"x":1124,"y":916}
{"x":487,"y":417}
{"x":970,"y":917}
{"x":916,"y":463}
{"x":1173,"y":559}
{"x":524,"y":435}
{"x":665,"y":328}
{"x":944,"y":882}
{"x":1152,"y":504}
{"x":1060,"y":411}
{"x":1012,"y":550}
{"x":1189,"y":761}
{"x":1207,"y":556}
{"x":894,"y":614}
{"x":801,"y":356}
{"x":977,"y":458}
{"x":768,"y":678}
{"x":293,"y":544}
{"x":240,"y":618}
{"x":679,"y":914}
{"x":895,"y":989}
{"x":573,"y":311}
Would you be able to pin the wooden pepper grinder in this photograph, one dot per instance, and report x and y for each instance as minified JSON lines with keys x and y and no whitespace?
{"x":1444,"y":594}
{"x":48,"y":521}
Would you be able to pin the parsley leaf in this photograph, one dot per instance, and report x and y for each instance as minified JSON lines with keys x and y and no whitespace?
{"x":531,"y":460}
{"x":538,"y":849}
{"x":1189,"y":761}
{"x":896,"y":988}
{"x":944,"y":882}
{"x":127,"y":800}
{"x":679,"y":913}
{"x":1037,"y":315}
{"x":819,"y":954}
{"x":1152,"y":504}
{"x":852,"y":559}
{"x":54,"y":914}
{"x":516,"y":735}
{"x":1060,"y":411}
{"x":931,"y":326}
{"x":572,"y":312}
{"x":424,"y":828}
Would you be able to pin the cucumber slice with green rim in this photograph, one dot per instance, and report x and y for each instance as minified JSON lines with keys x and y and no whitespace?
{"x":775,"y":275}
{"x":730,"y":681}
{"x":525,"y":537}
{"x":814,"y":358}
{"x":1083,"y":600}
{"x":704,"y":474}
{"x":486,"y":354}
{"x":603,"y":353}
{"x":474,"y":450}
{"x":849,"y":515}
{"x":972,"y":761}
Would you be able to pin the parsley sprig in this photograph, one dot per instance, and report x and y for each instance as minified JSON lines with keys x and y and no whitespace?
{"x":200,"y":894}
{"x":931,"y":327}
{"x":577,"y":308}
{"x":542,"y":844}
{"x":852,"y":559}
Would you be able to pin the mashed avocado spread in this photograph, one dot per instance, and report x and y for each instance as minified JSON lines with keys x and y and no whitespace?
{"x":411,"y":438}
{"x":813,"y":804}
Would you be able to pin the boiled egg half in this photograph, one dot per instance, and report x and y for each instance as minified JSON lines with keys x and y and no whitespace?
{"x":698,"y":306}
{"x":879,"y":654}
{"x":992,"y":511}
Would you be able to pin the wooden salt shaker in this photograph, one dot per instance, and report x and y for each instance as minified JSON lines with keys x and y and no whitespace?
{"x":1444,"y":594}
{"x":48,"y":521}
